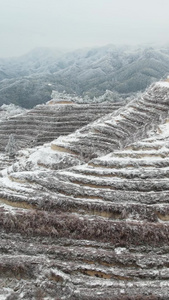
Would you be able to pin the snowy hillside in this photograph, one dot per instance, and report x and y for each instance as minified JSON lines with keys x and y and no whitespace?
{"x":10,"y":110}
{"x":98,"y":227}
{"x":29,"y":80}
{"x":46,"y":122}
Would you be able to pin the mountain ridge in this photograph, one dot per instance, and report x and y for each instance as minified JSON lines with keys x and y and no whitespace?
{"x":30,"y":80}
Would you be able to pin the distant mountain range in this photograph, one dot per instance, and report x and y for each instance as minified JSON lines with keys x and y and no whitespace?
{"x":30,"y":79}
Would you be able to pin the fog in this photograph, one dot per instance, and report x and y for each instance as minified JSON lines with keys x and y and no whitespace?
{"x":71,"y":24}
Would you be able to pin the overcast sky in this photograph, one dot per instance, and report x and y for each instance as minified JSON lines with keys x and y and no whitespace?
{"x":27,"y":24}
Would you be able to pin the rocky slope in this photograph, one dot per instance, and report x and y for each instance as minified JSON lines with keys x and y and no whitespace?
{"x":29,"y":80}
{"x":98,"y":230}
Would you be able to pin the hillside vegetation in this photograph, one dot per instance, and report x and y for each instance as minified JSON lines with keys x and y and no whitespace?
{"x":29,"y":80}
{"x":96,"y":229}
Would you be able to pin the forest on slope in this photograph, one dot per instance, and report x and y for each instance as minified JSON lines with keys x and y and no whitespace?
{"x":29,"y":80}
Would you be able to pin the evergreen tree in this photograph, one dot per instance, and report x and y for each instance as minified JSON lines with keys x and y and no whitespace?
{"x":11,"y":147}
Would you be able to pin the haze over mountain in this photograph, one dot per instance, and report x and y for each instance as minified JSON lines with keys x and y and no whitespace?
{"x":77,"y":24}
{"x":30,"y":79}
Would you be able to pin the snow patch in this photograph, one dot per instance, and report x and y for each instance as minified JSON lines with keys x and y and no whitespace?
{"x":120,"y":250}
{"x":164,"y":128}
{"x":163,"y":84}
{"x":10,"y":110}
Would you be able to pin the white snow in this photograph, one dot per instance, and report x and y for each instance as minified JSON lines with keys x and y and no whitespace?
{"x":40,"y":158}
{"x":6,"y":182}
{"x":10,"y":209}
{"x":64,"y":139}
{"x":120,"y":250}
{"x":43,"y":155}
{"x":163,"y":83}
{"x":164,"y":128}
{"x":6,"y":292}
{"x":10,"y":110}
{"x":111,"y":158}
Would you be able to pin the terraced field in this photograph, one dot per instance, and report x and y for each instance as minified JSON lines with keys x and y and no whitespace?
{"x":44,"y":123}
{"x":97,"y":229}
{"x":116,"y":130}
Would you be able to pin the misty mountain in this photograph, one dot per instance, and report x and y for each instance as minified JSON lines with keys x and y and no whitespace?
{"x":30,"y":79}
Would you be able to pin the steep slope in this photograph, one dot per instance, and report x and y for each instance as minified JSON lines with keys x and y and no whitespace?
{"x":46,"y":122}
{"x":98,"y":230}
{"x":112,"y":131}
{"x":120,"y":128}
{"x":29,"y":80}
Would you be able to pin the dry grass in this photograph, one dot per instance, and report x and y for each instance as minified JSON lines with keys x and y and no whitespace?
{"x":18,"y":204}
{"x":75,"y":227}
{"x":61,"y":149}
